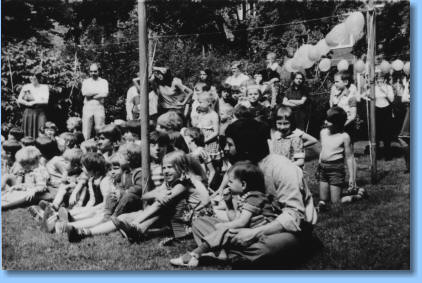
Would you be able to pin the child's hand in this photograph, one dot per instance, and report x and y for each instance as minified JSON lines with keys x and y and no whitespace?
{"x":227,"y":195}
{"x":72,"y":199}
{"x":30,"y":196}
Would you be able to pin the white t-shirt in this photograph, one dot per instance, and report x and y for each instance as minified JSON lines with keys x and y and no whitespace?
{"x":98,"y":86}
{"x":40,"y":94}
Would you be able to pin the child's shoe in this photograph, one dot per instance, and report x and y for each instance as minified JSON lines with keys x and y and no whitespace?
{"x":75,"y":235}
{"x":322,"y":206}
{"x":188,"y":260}
{"x":49,"y":220}
{"x":61,"y":227}
{"x":63,"y":215}
{"x":36,"y":212}
{"x":43,"y":204}
{"x":128,"y":231}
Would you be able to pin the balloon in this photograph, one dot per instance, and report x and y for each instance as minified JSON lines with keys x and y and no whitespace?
{"x":355,"y":23}
{"x":397,"y":65}
{"x":313,"y":53}
{"x":301,"y":56}
{"x":337,"y":35}
{"x":406,"y":68}
{"x":359,"y":66}
{"x":323,"y":47}
{"x":324,"y":64}
{"x":295,"y":64}
{"x":343,"y":65}
{"x":288,"y":66}
{"x":385,"y":67}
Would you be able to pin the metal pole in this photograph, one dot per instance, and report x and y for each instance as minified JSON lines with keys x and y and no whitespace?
{"x":143,"y":81}
{"x":371,"y":61}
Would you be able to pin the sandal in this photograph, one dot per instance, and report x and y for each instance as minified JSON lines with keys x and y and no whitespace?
{"x":188,"y":260}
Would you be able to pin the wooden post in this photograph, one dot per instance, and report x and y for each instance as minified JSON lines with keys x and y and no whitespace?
{"x":143,"y":82}
{"x":371,"y":69}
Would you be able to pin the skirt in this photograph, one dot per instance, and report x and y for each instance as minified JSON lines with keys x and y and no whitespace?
{"x":32,"y":120}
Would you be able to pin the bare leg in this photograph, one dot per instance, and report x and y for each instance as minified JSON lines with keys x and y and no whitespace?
{"x":103,"y":228}
{"x":146,"y":213}
{"x":324,"y":191}
{"x":89,"y":222}
{"x":335,"y":194}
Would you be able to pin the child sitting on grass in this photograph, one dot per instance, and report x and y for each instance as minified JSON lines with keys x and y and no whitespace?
{"x":335,"y":150}
{"x":253,"y":209}
{"x":28,"y":180}
{"x":287,"y":140}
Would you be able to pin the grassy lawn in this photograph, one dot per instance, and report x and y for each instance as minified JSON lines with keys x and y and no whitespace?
{"x":372,"y":234}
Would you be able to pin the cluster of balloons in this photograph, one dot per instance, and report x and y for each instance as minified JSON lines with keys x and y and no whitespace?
{"x":385,"y":66}
{"x":307,"y":55}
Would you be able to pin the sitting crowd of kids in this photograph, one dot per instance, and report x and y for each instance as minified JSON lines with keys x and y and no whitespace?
{"x":84,"y":188}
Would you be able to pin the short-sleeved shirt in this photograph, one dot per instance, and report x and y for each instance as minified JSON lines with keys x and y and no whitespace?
{"x":290,"y":146}
{"x":171,"y":96}
{"x":260,"y":205}
{"x":39,"y":93}
{"x":31,"y":179}
{"x":99,"y":86}
{"x":238,"y":81}
{"x":133,"y":103}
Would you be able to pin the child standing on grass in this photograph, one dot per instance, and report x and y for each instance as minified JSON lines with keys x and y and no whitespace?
{"x":287,"y":140}
{"x":28,"y":181}
{"x":335,"y":148}
{"x":253,"y":209}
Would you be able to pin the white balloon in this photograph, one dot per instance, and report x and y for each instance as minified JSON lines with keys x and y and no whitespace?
{"x":343,"y":65}
{"x":359,"y":66}
{"x":301,"y":56}
{"x":385,"y":67}
{"x":406,"y":68}
{"x":337,"y":35}
{"x":323,"y":47}
{"x":355,"y":23}
{"x":313,"y":53}
{"x":324,"y":65}
{"x":288,"y":66}
{"x":397,"y":65}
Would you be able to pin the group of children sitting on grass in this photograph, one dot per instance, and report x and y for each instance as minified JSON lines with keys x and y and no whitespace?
{"x":93,"y":187}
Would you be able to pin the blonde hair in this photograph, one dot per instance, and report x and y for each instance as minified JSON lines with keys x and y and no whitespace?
{"x":184,"y":163}
{"x":89,"y":146}
{"x":28,"y":156}
{"x":170,"y":121}
{"x":76,"y":122}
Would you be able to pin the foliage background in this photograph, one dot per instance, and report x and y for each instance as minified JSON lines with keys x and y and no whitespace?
{"x":63,"y":37}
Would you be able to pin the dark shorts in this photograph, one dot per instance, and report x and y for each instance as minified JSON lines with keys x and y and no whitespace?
{"x":332,"y":172}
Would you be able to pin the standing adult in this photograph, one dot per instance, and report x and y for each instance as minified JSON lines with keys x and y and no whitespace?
{"x":237,"y":81}
{"x":289,"y":232}
{"x":133,"y":102}
{"x":34,"y":97}
{"x":94,"y":89}
{"x":384,"y":97}
{"x":172,"y":93}
{"x":295,"y":98}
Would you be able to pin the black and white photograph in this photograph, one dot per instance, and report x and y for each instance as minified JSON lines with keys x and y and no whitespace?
{"x":205,"y":135}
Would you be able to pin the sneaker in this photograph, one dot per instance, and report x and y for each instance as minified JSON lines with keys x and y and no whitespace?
{"x":48,"y":222}
{"x":36,"y":212}
{"x":74,"y":235}
{"x":63,"y":215}
{"x":61,"y":227}
{"x":128,"y":231}
{"x":188,"y":260}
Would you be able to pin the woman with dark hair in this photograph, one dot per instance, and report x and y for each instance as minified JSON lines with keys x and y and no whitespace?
{"x":172,"y":93}
{"x":295,"y":98}
{"x":34,"y":97}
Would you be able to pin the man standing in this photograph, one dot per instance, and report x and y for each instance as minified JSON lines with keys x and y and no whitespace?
{"x":94,"y":89}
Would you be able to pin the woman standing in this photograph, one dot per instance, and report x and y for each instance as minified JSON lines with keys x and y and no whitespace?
{"x":295,"y":98}
{"x":34,"y":97}
{"x":172,"y":93}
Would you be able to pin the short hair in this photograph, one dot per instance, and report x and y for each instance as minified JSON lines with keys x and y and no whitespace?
{"x":170,"y":120}
{"x":79,"y":137}
{"x":95,"y":162}
{"x":17,"y":133}
{"x":242,"y":112}
{"x":253,"y":87}
{"x":69,"y":138}
{"x":162,"y":139}
{"x":271,"y":55}
{"x":73,"y":156}
{"x":345,"y":76}
{"x":77,"y":122}
{"x":111,"y":132}
{"x":89,"y":145}
{"x":28,"y":156}
{"x":47,"y":146}
{"x":134,"y":155}
{"x":338,"y":117}
{"x":285,"y":113}
{"x":249,"y":173}
{"x":27,"y":141}
{"x":196,"y":135}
